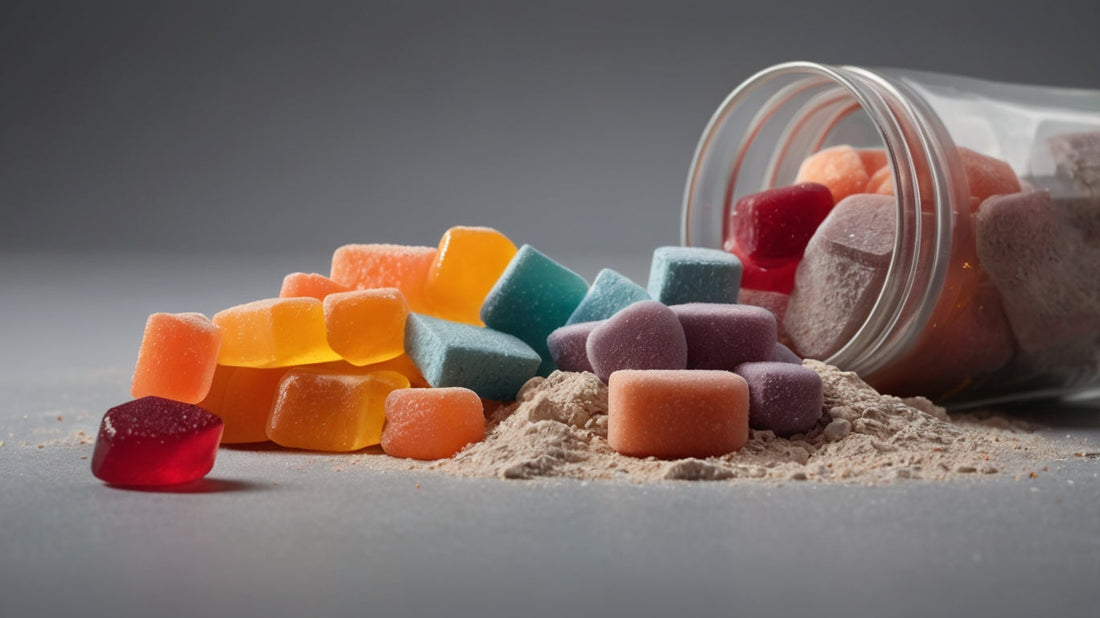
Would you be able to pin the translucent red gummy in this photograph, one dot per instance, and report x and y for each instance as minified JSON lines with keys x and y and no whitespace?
{"x":754,"y":277}
{"x":155,"y":441}
{"x":772,"y":227}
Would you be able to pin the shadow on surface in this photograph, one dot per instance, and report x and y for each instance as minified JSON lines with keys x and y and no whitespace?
{"x":201,"y":486}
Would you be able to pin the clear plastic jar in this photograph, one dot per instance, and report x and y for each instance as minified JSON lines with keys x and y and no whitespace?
{"x":936,"y":291}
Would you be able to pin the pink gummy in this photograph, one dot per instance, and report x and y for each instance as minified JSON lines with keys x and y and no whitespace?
{"x":772,"y":227}
{"x":568,"y":346}
{"x":783,"y":397}
{"x":155,"y":441}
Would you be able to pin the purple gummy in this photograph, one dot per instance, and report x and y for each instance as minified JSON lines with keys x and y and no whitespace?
{"x":783,"y":398}
{"x":841,"y":274}
{"x":783,"y":354}
{"x":645,"y":335}
{"x":568,"y":346}
{"x":722,"y":336}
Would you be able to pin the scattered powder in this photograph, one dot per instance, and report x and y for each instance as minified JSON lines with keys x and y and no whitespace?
{"x":558,"y":428}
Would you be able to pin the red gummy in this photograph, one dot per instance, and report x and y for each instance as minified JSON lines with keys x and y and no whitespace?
{"x":755,"y":277}
{"x":155,"y":441}
{"x":773,"y":227}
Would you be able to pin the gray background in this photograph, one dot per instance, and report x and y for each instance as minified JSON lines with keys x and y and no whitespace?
{"x":184,"y":156}
{"x":274,"y":127}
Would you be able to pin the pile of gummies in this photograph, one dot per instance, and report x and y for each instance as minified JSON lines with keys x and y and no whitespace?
{"x":406,"y":346}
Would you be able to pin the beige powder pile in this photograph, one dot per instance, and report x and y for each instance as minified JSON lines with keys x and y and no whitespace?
{"x":558,"y":428}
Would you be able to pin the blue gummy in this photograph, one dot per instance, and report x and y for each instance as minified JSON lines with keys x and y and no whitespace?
{"x":609,"y":293}
{"x":492,"y":364}
{"x":533,"y":296}
{"x":681,"y":275}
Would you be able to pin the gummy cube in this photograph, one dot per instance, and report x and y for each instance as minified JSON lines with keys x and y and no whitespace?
{"x":609,"y":293}
{"x":841,"y":274}
{"x":779,"y":279}
{"x":312,"y":285}
{"x":531,"y":298}
{"x":987,"y":176}
{"x":431,"y":423}
{"x":178,"y":354}
{"x":873,"y":159}
{"x":721,"y":336}
{"x":276,"y":332}
{"x":366,"y":326}
{"x":673,"y":414}
{"x":155,"y":441}
{"x":785,"y":398}
{"x":881,"y":182}
{"x":242,"y":397}
{"x":319,"y":410}
{"x":772,"y":227}
{"x":693,"y":275}
{"x":491,"y":363}
{"x":365,"y":267}
{"x":840,"y":168}
{"x":645,"y":335}
{"x":568,"y":346}
{"x":467,"y":265}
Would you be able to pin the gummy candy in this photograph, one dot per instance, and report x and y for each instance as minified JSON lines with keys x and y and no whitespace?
{"x":772,"y":227}
{"x":645,"y":335}
{"x":155,"y":441}
{"x":312,"y":285}
{"x":366,"y":326}
{"x":276,"y":332}
{"x":242,"y":397}
{"x":178,"y":354}
{"x":467,"y":265}
{"x":431,"y":423}
{"x":840,"y":168}
{"x":365,"y":267}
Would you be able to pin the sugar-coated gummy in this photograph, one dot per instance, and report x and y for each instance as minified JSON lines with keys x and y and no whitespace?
{"x":366,"y":326}
{"x":783,"y":397}
{"x":533,"y":296}
{"x":275,"y":332}
{"x":311,"y":285}
{"x":779,"y":279}
{"x":568,"y":346}
{"x":694,"y":275}
{"x":673,"y":414}
{"x":177,"y":357}
{"x":841,"y":274}
{"x":987,"y":176}
{"x":242,"y":397}
{"x":321,"y":410}
{"x":609,"y":293}
{"x":431,"y":423}
{"x":722,"y":336}
{"x":491,"y":363}
{"x":840,"y":168}
{"x":154,"y":441}
{"x":370,"y":266}
{"x":466,"y":266}
{"x":645,"y":335}
{"x":783,"y":354}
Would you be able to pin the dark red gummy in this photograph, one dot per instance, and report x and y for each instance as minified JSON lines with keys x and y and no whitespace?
{"x":772,"y":227}
{"x":753,"y":277}
{"x":156,"y":441}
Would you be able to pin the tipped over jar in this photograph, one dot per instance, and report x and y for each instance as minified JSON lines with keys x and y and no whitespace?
{"x":961,"y":260}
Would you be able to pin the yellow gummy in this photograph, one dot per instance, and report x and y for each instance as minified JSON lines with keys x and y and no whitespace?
{"x":469,"y":261}
{"x":366,"y":326}
{"x":276,"y":332}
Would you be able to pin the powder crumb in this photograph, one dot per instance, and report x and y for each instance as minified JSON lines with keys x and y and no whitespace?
{"x":557,"y":427}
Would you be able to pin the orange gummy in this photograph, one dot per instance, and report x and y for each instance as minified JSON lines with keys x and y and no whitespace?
{"x":276,"y":332}
{"x":432,"y":423}
{"x":873,"y":159}
{"x":177,"y":358}
{"x":366,"y":326}
{"x":676,"y":413}
{"x":242,"y":398}
{"x":402,"y":364}
{"x":881,"y":182}
{"x":312,"y":285}
{"x":987,"y":176}
{"x":840,"y":168}
{"x":365,"y":267}
{"x":323,"y":411}
{"x":468,"y":263}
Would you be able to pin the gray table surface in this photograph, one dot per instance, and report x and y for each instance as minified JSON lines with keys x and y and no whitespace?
{"x":279,"y":533}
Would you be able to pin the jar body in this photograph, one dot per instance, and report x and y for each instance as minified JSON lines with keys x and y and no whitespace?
{"x":981,"y":300}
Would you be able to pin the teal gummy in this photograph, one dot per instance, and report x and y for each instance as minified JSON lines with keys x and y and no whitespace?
{"x":680,"y":275}
{"x":534,"y":296}
{"x":609,"y":293}
{"x":492,"y":364}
